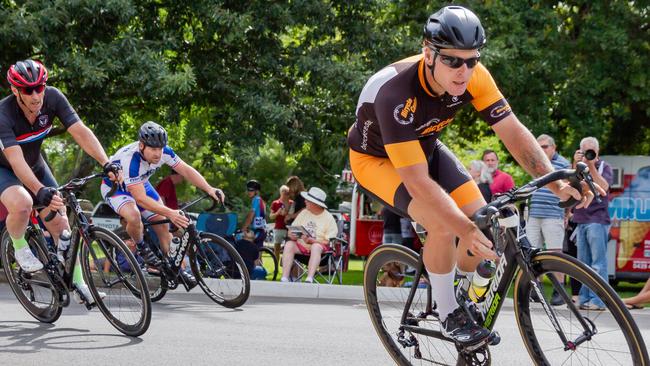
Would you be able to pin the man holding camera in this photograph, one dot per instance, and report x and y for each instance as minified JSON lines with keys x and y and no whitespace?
{"x":593,"y":221}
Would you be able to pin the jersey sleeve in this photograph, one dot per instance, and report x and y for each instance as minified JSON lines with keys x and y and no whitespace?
{"x":395,"y":119}
{"x":7,"y":135}
{"x":170,"y":158}
{"x":486,"y":97}
{"x":62,"y":107}
{"x":132,"y":164}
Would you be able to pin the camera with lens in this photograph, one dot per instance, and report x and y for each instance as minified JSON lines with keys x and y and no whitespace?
{"x":590,"y":154}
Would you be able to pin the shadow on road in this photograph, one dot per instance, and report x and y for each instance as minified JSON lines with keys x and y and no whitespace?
{"x":27,"y":337}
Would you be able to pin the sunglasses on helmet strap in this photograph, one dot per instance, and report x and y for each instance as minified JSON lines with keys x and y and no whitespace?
{"x":456,"y":62}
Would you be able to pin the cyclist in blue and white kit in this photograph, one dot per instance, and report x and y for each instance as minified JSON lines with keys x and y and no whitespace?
{"x":140,"y":160}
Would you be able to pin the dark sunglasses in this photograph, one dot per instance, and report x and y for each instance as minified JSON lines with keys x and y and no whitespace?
{"x":457,"y":62}
{"x":30,"y":90}
{"x":544,"y":146}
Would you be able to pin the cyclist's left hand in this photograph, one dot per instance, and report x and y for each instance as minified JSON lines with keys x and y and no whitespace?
{"x":218,"y":195}
{"x":566,"y":191}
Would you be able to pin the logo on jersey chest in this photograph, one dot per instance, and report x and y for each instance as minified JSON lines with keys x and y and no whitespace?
{"x":404,"y":113}
{"x":455,"y":100}
{"x":436,"y":127}
{"x":43,"y":119}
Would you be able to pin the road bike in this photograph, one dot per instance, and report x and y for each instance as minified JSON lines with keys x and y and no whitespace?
{"x":126,"y":304}
{"x":217,"y":266}
{"x":406,"y":320}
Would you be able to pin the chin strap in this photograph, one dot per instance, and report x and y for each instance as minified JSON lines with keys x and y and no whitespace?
{"x":433,"y":73}
{"x":20,"y":98}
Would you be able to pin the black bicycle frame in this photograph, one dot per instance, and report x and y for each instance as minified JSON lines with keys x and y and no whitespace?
{"x":517,"y":252}
{"x":190,"y":237}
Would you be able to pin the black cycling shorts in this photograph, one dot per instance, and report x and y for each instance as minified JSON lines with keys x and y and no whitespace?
{"x":42,"y":172}
{"x":379,"y":178}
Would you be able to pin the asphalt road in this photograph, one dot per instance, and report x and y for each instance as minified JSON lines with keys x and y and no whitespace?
{"x":188,"y":329}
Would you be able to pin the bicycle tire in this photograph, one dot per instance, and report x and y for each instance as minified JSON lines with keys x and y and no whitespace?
{"x":158,"y":291}
{"x":230,"y":278}
{"x":387,"y":313}
{"x":544,"y":263}
{"x":127,"y":284}
{"x":51,"y":311}
{"x":274,"y":262}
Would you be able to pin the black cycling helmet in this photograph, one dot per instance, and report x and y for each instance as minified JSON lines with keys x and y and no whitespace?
{"x":153,"y":135}
{"x":253,"y":185}
{"x":26,"y":74}
{"x":454,"y":27}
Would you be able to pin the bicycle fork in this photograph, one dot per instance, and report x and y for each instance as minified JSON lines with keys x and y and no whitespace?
{"x":589,"y":328}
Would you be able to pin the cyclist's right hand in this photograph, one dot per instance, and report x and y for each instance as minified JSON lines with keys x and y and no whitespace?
{"x":177,"y":218}
{"x":49,"y":197}
{"x":478,"y":243}
{"x":114,"y":171}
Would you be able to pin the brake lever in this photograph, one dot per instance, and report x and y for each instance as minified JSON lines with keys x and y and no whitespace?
{"x":590,"y":182}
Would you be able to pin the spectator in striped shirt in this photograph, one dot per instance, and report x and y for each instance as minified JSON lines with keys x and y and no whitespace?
{"x":546,"y":220}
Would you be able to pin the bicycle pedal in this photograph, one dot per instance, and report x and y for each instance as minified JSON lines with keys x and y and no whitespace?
{"x":494,"y":338}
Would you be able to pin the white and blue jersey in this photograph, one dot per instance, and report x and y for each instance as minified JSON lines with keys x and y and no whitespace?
{"x":136,"y":170}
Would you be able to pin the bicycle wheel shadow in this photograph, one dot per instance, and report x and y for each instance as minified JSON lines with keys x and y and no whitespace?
{"x":30,"y":336}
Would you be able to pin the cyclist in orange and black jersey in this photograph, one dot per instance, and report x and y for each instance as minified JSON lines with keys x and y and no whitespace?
{"x":396,"y":156}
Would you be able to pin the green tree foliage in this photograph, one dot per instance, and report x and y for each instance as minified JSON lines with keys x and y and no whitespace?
{"x":268,"y":89}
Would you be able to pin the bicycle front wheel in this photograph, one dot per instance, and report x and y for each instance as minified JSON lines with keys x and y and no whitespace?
{"x":605,"y":336}
{"x":388,"y":279}
{"x":35,"y":291}
{"x":220,"y":271}
{"x":120,"y":292}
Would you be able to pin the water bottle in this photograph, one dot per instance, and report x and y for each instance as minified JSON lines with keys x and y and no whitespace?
{"x":64,"y":243}
{"x":173,"y":247}
{"x":481,"y":279}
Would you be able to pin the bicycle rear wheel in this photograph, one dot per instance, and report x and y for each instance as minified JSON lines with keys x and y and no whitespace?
{"x":157,"y":284}
{"x":270,"y":263}
{"x":388,"y":279}
{"x":617,"y":340}
{"x":35,"y":291}
{"x":127,"y":305}
{"x":220,"y":271}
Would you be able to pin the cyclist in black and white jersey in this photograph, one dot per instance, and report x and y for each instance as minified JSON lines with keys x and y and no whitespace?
{"x":141,"y":159}
{"x":26,"y":119}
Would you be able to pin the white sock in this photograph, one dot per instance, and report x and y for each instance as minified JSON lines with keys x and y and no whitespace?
{"x":309,"y":279}
{"x":284,"y":279}
{"x":442,"y":288}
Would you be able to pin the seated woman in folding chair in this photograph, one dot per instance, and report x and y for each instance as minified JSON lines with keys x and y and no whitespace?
{"x":309,"y":234}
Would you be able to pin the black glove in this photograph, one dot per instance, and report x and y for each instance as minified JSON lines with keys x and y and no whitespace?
{"x":112,"y":167}
{"x":45,"y":195}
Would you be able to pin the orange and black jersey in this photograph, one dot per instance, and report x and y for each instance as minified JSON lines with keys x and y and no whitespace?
{"x":398,"y":116}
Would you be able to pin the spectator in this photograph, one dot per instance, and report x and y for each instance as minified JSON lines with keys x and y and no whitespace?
{"x":256,"y":217}
{"x":637,"y":301}
{"x":167,"y":189}
{"x":122,"y":261}
{"x":295,"y":188}
{"x":501,"y":181}
{"x":593,"y":222}
{"x":479,"y":172}
{"x":545,"y":226}
{"x":319,"y":224}
{"x":279,"y":210}
{"x":392,"y":227}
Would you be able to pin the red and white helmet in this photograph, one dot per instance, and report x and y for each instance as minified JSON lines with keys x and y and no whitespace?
{"x":27,"y":74}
